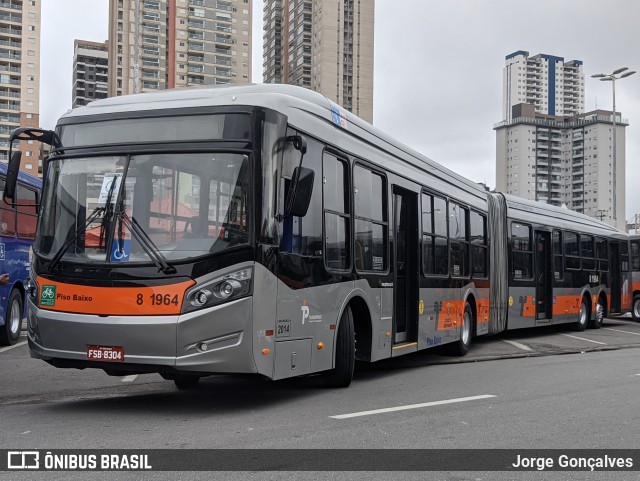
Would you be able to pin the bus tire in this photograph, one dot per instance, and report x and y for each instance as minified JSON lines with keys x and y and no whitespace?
{"x":10,"y":332}
{"x":345,"y":356}
{"x":635,"y":310}
{"x":583,"y":316}
{"x":184,"y":382}
{"x":600,"y":313}
{"x":462,"y":345}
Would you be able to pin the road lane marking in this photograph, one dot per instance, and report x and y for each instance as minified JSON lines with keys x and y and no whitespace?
{"x":518,"y":345}
{"x":412,"y":406}
{"x":618,"y":330}
{"x":13,"y":347}
{"x":583,"y":339}
{"x":129,"y":378}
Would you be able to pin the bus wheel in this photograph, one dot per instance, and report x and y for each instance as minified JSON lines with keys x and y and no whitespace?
{"x":600,"y":312}
{"x":461,"y":346}
{"x":635,"y":312}
{"x":10,"y":332}
{"x":342,"y":374}
{"x":583,"y":316}
{"x":184,"y":382}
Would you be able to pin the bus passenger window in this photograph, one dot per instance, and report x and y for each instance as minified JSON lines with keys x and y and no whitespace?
{"x":602,"y":253}
{"x":336,"y":213}
{"x":558,"y":270}
{"x":435,"y":255}
{"x":522,"y":251}
{"x":571,"y":251}
{"x":635,"y":255}
{"x":586,"y":250}
{"x":370,"y":220}
{"x":479,"y":251}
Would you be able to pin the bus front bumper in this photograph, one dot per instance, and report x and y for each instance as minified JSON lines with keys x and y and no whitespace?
{"x":214,"y":340}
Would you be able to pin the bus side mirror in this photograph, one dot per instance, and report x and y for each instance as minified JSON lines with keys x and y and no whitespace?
{"x":9,"y":195}
{"x":302,"y":196}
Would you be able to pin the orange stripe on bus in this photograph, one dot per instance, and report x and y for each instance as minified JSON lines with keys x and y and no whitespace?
{"x":567,"y":305}
{"x":125,"y":301}
{"x":563,"y":305}
{"x":450,"y":314}
{"x":482,"y":306}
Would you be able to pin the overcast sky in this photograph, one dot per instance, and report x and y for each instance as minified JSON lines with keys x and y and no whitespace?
{"x":438,"y":67}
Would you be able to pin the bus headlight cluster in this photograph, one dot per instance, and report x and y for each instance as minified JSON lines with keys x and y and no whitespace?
{"x":228,"y":287}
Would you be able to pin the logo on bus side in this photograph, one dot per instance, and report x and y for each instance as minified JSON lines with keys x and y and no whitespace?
{"x":306,"y":314}
{"x":48,"y":296}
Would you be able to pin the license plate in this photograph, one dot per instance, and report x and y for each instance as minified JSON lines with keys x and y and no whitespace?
{"x":105,"y":353}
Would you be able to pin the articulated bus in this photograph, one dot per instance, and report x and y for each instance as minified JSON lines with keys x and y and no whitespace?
{"x":17,"y":231}
{"x":635,"y":272}
{"x":264,"y":229}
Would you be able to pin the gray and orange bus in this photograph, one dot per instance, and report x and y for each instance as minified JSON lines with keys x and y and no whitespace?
{"x":264,"y":229}
{"x":635,"y":279}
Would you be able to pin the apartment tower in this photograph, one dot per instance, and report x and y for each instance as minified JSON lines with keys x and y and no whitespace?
{"x":551,"y":85}
{"x":563,"y":161}
{"x":20,"y":76}
{"x":90,"y":72}
{"x":323,"y":45}
{"x":159,"y":44}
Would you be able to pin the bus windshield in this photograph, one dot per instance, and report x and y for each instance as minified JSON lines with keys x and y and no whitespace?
{"x":131,"y":208}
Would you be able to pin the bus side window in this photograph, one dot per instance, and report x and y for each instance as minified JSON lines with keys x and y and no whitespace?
{"x":558,"y":269}
{"x":586,"y":250}
{"x":7,"y":216}
{"x":522,"y":249}
{"x":370,"y":220}
{"x":336,"y":212}
{"x":571,"y":250}
{"x":27,"y":213}
{"x":303,"y":235}
{"x":635,"y":255}
{"x":602,"y":253}
{"x":479,"y":251}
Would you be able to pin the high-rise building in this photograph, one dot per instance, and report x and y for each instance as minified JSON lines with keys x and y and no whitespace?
{"x":324,"y":45}
{"x":158,"y":44}
{"x":20,"y":76}
{"x":563,"y":161}
{"x":551,"y":85}
{"x":90,"y":72}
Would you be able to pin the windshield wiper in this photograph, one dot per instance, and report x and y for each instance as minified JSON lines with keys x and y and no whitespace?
{"x":107,"y":210}
{"x":147,"y":244}
{"x":56,"y":258}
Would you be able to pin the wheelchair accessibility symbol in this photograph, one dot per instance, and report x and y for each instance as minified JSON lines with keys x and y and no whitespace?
{"x":120,"y":253}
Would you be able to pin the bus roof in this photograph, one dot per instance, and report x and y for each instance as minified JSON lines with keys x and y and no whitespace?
{"x":530,"y":210}
{"x":23,"y":177}
{"x":301,"y":106}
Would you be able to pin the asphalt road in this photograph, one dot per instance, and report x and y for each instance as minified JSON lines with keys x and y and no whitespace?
{"x":587,"y":398}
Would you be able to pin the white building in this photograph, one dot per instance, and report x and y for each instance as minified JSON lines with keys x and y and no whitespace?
{"x":563,"y":161}
{"x":551,"y":85}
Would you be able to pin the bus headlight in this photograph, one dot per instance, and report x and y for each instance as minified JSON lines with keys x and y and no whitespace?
{"x":234,"y":285}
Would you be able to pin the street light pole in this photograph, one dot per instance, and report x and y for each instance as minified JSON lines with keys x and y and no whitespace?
{"x":612,"y":77}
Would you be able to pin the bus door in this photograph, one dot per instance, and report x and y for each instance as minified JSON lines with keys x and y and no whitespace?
{"x":405,"y":266}
{"x":616,"y":277}
{"x":543,"y":275}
